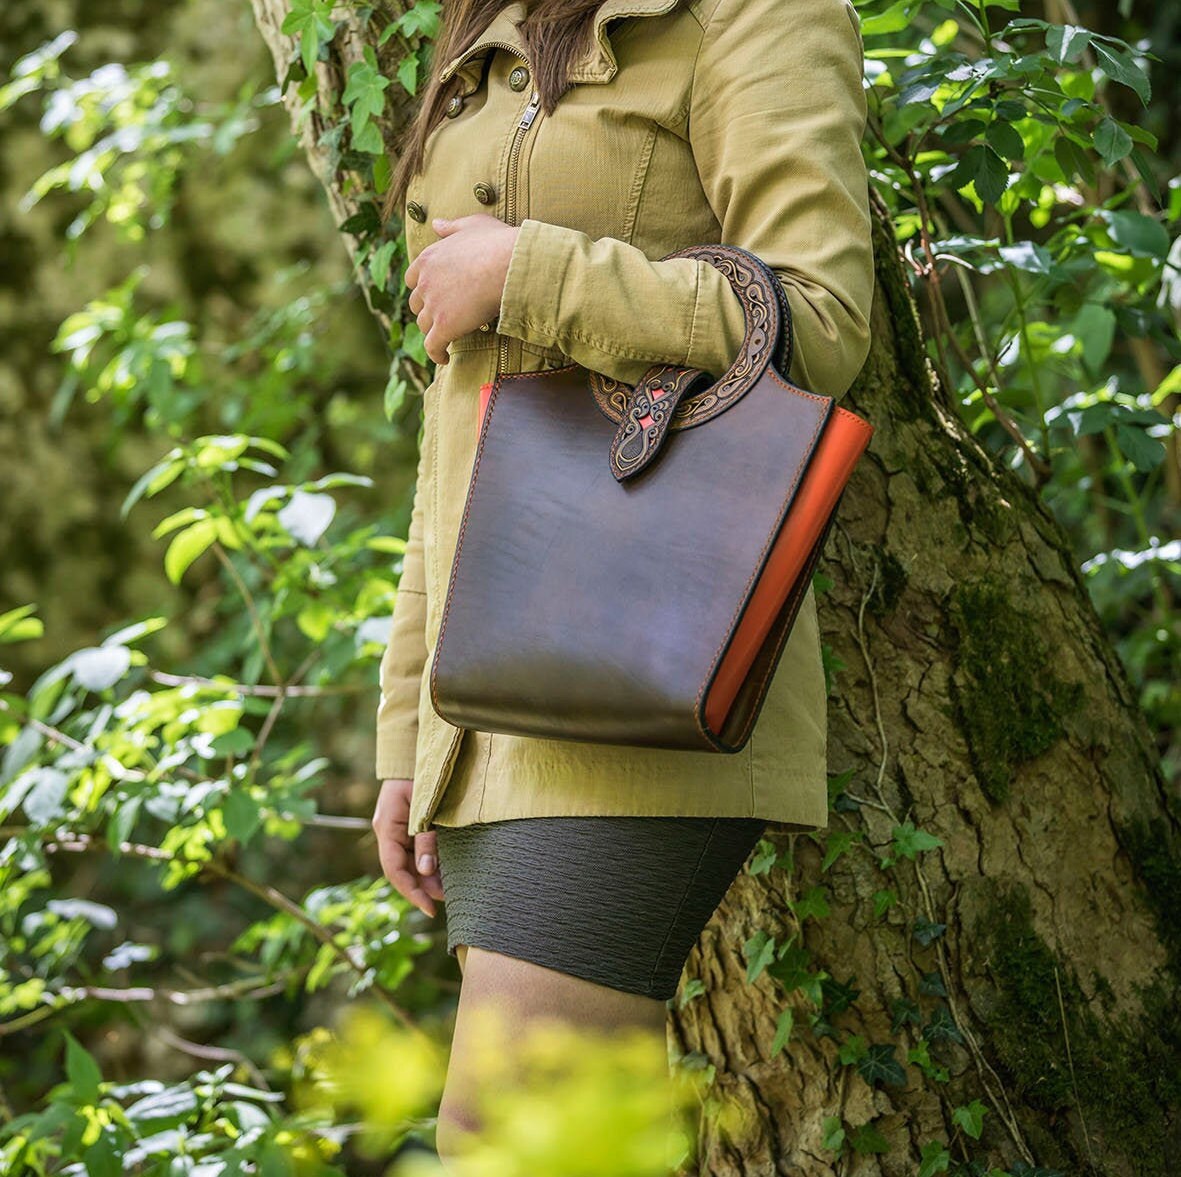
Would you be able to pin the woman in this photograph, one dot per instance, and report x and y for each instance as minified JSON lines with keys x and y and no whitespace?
{"x":559,"y":149}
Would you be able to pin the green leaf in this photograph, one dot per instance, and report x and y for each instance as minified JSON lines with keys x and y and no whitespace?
{"x":763,"y":858}
{"x":1094,"y":327}
{"x":1067,"y":43}
{"x":1006,"y":139}
{"x":82,"y":1071}
{"x":909,"y":841}
{"x":122,"y":823}
{"x":152,"y":482}
{"x":187,"y":546}
{"x":408,"y":73}
{"x":935,"y":1159}
{"x":879,"y":1065}
{"x":812,"y":904}
{"x":970,"y":1118}
{"x":1140,"y":235}
{"x":1073,"y":161}
{"x":867,"y":1139}
{"x":925,"y":931}
{"x":1120,"y":66}
{"x":783,"y":1028}
{"x":242,"y":815}
{"x":758,"y":952}
{"x":379,"y":264}
{"x":1112,"y":141}
{"x":882,"y":902}
{"x":1144,"y":452}
{"x":18,"y":625}
{"x":982,"y":166}
{"x":832,"y":1135}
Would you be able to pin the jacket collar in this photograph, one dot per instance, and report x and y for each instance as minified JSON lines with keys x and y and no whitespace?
{"x":598,"y":64}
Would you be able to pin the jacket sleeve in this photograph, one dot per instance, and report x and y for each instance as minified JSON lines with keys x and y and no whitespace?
{"x":404,"y":658}
{"x":775,"y":122}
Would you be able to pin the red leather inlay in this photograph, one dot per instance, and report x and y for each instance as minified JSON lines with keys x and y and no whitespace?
{"x":485,"y":394}
{"x":837,"y":452}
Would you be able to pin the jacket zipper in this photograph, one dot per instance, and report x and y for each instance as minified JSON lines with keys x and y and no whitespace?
{"x":510,"y":192}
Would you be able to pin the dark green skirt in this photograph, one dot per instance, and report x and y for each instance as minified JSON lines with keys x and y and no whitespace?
{"x":615,"y":900}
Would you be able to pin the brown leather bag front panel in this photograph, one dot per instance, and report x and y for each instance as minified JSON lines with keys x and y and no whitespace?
{"x":583,"y":608}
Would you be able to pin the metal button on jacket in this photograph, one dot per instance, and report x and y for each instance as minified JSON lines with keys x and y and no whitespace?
{"x":519,"y":78}
{"x":417,"y":211}
{"x":485,"y":193}
{"x":454,"y":106}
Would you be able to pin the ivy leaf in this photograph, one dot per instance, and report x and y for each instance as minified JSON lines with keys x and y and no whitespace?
{"x":942,"y":1027}
{"x":379,"y":264}
{"x":867,"y":1139}
{"x":836,"y":844}
{"x":408,"y":73}
{"x":878,"y":1065}
{"x":925,"y":930}
{"x":909,"y":841}
{"x":758,"y":952}
{"x":832,"y":1135}
{"x":763,"y":858}
{"x":935,"y":1159}
{"x":883,"y":901}
{"x":931,"y":985}
{"x":970,"y":1118}
{"x":783,"y":1028}
{"x":903,"y":1010}
{"x":812,"y":904}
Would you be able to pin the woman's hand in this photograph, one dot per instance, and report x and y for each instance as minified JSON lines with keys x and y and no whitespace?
{"x":457,"y":282}
{"x":410,"y":864}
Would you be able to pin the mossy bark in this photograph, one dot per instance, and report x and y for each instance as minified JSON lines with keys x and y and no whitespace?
{"x":977,"y":696}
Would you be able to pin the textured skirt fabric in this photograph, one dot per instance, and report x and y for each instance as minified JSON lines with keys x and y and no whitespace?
{"x":616,"y":900}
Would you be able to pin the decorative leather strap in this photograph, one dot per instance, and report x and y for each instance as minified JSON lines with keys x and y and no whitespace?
{"x":669,"y":397}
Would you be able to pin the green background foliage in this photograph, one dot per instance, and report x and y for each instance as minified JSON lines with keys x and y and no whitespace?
{"x":206,"y":453}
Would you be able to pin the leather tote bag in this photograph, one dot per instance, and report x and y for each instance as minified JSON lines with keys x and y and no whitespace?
{"x":631,"y":560}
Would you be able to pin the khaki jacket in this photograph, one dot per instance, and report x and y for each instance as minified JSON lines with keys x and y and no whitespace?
{"x":737,"y":121}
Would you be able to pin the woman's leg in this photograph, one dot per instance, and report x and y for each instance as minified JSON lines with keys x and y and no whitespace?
{"x":522,"y":993}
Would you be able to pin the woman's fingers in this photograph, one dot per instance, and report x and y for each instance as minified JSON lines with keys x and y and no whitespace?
{"x":426,"y":858}
{"x":395,"y":847}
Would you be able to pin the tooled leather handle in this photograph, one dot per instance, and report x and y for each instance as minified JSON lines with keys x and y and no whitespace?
{"x":669,"y":397}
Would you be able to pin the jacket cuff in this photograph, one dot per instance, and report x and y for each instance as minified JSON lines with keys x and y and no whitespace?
{"x":529,"y":303}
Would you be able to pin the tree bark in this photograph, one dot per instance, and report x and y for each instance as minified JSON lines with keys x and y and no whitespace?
{"x":977,"y":697}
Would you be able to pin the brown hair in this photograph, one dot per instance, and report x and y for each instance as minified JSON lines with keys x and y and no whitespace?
{"x":555,"y":33}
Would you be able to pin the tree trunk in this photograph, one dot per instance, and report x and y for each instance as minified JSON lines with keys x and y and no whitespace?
{"x":1030,"y":959}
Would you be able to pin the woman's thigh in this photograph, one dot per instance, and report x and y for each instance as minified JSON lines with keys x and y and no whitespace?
{"x":521,"y":995}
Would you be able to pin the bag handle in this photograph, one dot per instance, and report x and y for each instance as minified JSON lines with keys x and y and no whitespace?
{"x":669,"y":397}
